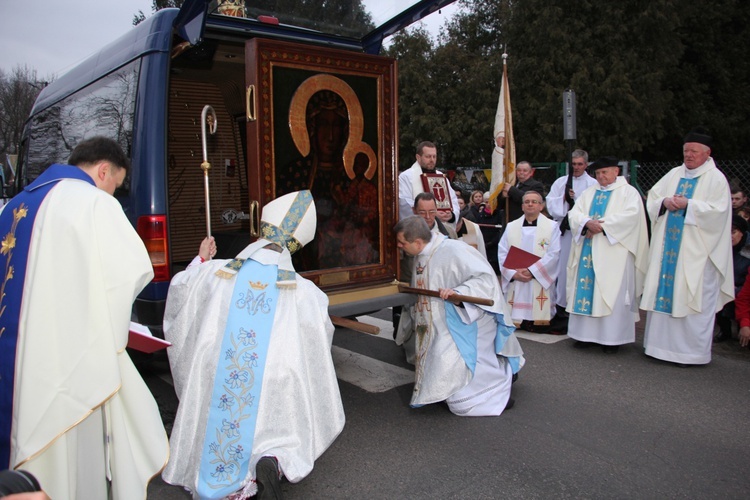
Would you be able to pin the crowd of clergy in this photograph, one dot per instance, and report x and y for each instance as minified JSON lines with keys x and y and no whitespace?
{"x":589,"y":257}
{"x":251,"y":338}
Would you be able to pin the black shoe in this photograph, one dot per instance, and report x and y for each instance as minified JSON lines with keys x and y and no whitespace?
{"x":267,"y":475}
{"x":510,"y":404}
{"x":582,"y":345}
{"x":722,"y":336}
{"x":610,"y":349}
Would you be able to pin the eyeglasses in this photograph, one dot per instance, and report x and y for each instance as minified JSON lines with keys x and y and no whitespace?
{"x":425,"y":212}
{"x":579,"y":163}
{"x":532,"y":202}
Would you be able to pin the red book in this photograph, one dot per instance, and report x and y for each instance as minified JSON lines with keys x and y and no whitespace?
{"x":141,"y":339}
{"x":519,"y":258}
{"x":437,"y":184}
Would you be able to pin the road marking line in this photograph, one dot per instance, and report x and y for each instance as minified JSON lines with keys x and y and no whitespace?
{"x":367,"y":373}
{"x":542,"y":338}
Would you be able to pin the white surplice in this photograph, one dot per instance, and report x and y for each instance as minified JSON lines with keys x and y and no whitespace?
{"x":619,"y":259}
{"x":558,"y":209}
{"x":703,"y":281}
{"x":75,"y":385}
{"x":299,"y":412}
{"x":410,"y":185}
{"x":526,"y":295}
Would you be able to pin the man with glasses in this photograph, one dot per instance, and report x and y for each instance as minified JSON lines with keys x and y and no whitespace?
{"x":560,"y":199}
{"x":425,"y":206}
{"x":530,"y":288}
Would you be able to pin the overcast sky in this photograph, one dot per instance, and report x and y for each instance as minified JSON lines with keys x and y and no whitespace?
{"x":52,"y":36}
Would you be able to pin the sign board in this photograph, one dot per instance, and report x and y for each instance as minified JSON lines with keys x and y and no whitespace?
{"x":569,"y":115}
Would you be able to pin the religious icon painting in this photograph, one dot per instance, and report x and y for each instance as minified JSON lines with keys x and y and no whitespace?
{"x":325,"y":120}
{"x":437,"y":184}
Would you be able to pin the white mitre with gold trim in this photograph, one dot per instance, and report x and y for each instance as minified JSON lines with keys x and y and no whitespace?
{"x":289,"y":222}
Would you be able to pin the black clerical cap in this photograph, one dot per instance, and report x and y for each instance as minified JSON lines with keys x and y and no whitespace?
{"x":699,"y":135}
{"x":604,"y":161}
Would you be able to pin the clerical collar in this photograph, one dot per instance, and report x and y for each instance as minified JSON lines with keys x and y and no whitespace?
{"x":526,"y":223}
{"x":436,"y":239}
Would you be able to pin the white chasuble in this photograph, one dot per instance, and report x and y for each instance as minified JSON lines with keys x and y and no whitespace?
{"x":531,"y":301}
{"x":299,"y":410}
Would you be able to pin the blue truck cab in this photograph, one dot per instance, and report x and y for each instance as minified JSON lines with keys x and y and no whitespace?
{"x":272,"y":79}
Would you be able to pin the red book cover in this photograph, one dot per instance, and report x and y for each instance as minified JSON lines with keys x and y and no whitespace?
{"x":141,"y":339}
{"x":519,"y":258}
{"x":437,"y":184}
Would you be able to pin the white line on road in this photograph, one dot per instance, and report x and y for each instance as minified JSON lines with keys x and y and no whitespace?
{"x":368,"y":373}
{"x":542,"y":338}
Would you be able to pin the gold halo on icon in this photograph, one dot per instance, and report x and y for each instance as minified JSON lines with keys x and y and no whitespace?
{"x":354,"y":144}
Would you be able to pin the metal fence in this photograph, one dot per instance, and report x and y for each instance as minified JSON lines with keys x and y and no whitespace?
{"x":641,"y":175}
{"x":646,"y":175}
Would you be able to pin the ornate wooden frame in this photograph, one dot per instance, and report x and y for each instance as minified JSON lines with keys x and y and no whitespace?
{"x":282,"y":77}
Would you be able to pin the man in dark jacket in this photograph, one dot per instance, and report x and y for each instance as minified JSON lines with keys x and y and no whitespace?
{"x":524,"y":182}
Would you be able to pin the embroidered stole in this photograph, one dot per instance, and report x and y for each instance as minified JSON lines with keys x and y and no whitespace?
{"x":585,"y":280}
{"x":541,"y":304}
{"x":233,"y":412}
{"x":671,"y":249}
{"x":18,"y":219}
{"x":423,"y":312}
{"x":470,"y":238}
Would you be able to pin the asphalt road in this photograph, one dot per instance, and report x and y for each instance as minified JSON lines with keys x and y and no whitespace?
{"x":585,"y":425}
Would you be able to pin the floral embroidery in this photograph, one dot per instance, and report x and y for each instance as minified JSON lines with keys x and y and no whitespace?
{"x":6,"y":248}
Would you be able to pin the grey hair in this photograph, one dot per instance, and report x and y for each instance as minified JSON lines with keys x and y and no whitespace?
{"x":413,"y":227}
{"x":580,"y":153}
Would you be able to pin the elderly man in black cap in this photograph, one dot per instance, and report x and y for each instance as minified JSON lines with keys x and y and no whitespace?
{"x":607,"y":261}
{"x":690,"y":265}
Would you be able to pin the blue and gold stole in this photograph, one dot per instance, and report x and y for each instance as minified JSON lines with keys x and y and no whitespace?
{"x":586,"y":276}
{"x":233,"y":412}
{"x":17,"y":224}
{"x":671,"y":249}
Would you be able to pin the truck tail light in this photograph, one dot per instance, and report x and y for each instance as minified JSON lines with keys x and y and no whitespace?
{"x":153,"y":231}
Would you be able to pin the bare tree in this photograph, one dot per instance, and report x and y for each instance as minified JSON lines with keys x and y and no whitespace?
{"x":18,"y":91}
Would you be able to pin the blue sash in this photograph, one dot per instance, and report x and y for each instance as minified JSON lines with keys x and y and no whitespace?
{"x":16,"y":227}
{"x":586,"y":275}
{"x":671,"y":250}
{"x":465,"y":337}
{"x":233,"y":412}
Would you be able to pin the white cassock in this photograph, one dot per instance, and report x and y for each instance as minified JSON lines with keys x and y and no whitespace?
{"x":299,"y":412}
{"x":443,"y":373}
{"x":558,"y":209}
{"x":410,"y":185}
{"x":703,"y":280}
{"x":619,"y":260}
{"x":542,"y":240}
{"x":74,"y":382}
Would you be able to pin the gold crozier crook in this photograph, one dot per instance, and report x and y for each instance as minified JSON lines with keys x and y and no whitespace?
{"x":205,"y":166}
